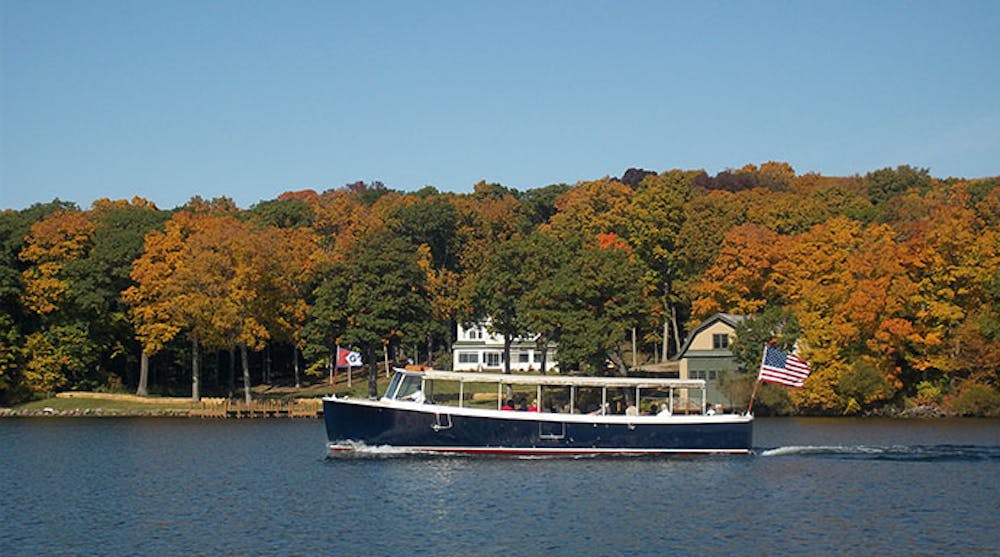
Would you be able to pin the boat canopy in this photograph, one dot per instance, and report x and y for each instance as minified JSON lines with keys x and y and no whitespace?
{"x":559,"y":380}
{"x":417,"y":386}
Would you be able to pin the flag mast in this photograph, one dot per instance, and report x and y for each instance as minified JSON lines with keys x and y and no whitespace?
{"x":333,"y":369}
{"x":756,"y":384}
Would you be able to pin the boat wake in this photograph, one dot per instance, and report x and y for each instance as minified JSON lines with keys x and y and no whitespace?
{"x":361,"y":450}
{"x":905,"y":453}
{"x":358,"y":450}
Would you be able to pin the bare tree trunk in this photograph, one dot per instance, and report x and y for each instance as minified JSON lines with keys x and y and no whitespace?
{"x":677,"y":331}
{"x":372,"y":373}
{"x":143,"y":375}
{"x":267,"y":365}
{"x":430,"y":350}
{"x":542,"y":345}
{"x":232,"y":372}
{"x":506,"y":354}
{"x":246,"y":374}
{"x":295,"y":357}
{"x":449,"y":340}
{"x":666,"y":337}
{"x":634,"y":350}
{"x":619,"y":360}
{"x":195,"y":371}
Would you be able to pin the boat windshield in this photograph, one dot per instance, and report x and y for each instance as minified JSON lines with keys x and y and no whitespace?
{"x":404,"y":386}
{"x":408,"y":387}
{"x":390,"y":391}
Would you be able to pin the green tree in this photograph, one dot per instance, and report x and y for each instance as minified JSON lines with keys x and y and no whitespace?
{"x":887,"y":183}
{"x":594,"y":298}
{"x":282,"y":213}
{"x":15,"y":227}
{"x":60,"y":355}
{"x":774,"y":325}
{"x":499,"y":289}
{"x":540,"y":204}
{"x":657,"y":215}
{"x":377,"y":291}
{"x":98,"y":278}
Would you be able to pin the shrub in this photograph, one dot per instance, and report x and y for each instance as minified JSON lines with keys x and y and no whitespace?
{"x":862,"y":384}
{"x":928,"y":393}
{"x":975,"y":399}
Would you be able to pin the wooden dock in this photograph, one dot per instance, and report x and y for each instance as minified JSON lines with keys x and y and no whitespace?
{"x":224,"y":408}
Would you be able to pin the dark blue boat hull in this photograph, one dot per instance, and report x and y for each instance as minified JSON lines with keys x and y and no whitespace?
{"x":373,"y":425}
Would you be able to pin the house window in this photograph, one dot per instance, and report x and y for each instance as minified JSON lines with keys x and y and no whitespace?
{"x":720,"y":342}
{"x":538,"y":357}
{"x":523,"y":358}
{"x":473,"y":334}
{"x":493,"y":359}
{"x":468,"y":358}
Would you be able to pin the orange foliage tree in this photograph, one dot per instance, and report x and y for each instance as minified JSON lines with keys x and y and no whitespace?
{"x":741,"y":280}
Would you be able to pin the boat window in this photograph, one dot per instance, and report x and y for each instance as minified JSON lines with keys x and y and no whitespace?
{"x":390,"y":391}
{"x":409,"y":385}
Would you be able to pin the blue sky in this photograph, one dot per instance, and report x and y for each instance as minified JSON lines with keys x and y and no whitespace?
{"x":248,"y":99}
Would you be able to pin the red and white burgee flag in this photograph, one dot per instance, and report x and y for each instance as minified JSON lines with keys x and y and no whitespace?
{"x":781,"y":368}
{"x":348,"y":358}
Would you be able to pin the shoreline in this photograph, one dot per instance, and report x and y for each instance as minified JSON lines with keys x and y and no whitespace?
{"x":918,"y":413}
{"x":151,"y":413}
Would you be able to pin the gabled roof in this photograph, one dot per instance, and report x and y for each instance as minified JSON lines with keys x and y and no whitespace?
{"x":731,"y":319}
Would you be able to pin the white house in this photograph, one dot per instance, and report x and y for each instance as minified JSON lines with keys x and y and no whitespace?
{"x":476,"y":349}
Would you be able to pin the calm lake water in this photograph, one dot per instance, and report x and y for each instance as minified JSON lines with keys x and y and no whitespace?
{"x":190,"y":487}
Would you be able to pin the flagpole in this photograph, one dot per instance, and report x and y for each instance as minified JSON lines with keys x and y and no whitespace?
{"x":756,"y":385}
{"x":752,"y":396}
{"x":348,"y":367}
{"x":333,"y":373}
{"x":333,"y":377}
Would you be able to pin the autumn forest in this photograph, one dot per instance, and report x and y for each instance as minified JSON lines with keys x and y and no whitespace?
{"x":888,"y":283}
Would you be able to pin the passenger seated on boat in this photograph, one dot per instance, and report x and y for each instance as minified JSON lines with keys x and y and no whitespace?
{"x":600,"y":410}
{"x":665,"y":411}
{"x":509,"y":405}
{"x":533,"y":407}
{"x":631,"y":410}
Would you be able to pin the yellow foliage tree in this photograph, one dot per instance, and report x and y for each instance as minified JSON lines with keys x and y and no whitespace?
{"x":53,"y":242}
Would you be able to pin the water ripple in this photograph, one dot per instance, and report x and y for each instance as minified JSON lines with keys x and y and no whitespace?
{"x":904,"y":453}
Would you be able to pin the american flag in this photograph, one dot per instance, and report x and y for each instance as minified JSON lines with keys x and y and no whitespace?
{"x":785,"y":369}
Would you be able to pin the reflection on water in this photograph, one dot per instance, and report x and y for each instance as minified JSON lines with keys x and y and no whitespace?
{"x":815,"y":487}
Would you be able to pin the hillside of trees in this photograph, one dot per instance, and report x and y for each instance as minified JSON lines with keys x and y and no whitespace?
{"x":888,"y":283}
